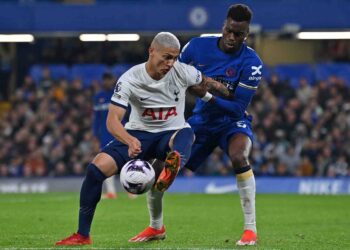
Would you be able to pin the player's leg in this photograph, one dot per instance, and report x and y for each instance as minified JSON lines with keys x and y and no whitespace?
{"x":111,"y":192}
{"x":180,"y":144}
{"x":98,"y":170}
{"x":156,"y":228}
{"x":239,"y":147}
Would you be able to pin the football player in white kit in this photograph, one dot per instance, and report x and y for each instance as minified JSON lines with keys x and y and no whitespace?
{"x":155,"y":90}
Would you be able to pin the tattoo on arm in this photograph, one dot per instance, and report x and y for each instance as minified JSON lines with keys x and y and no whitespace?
{"x":217,"y":88}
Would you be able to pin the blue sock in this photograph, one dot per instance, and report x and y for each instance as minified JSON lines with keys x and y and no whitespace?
{"x":90,"y":195}
{"x":183,"y":143}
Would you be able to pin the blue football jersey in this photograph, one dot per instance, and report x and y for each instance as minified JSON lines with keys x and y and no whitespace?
{"x":101,"y":103}
{"x":240,"y":72}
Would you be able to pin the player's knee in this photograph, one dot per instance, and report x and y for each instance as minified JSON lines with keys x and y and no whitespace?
{"x":106,"y":164}
{"x":239,"y":159}
{"x":94,"y":172}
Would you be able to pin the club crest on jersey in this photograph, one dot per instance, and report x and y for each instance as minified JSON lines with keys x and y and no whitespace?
{"x":159,"y":113}
{"x":175,"y":90}
{"x":230,"y":72}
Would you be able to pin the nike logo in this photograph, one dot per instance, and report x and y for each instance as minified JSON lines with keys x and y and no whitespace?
{"x":144,"y":99}
{"x":212,"y":188}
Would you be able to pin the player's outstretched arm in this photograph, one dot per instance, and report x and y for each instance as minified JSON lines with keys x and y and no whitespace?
{"x":214,"y":87}
{"x":116,"y":128}
{"x":217,"y":88}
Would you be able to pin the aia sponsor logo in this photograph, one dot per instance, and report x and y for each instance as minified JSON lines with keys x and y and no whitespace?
{"x":159,"y":113}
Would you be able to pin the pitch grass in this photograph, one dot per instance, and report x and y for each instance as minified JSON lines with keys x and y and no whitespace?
{"x":199,"y":221}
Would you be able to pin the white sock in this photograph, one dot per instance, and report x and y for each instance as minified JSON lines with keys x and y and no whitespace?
{"x":110,"y":187}
{"x":155,"y":208}
{"x":246,"y":189}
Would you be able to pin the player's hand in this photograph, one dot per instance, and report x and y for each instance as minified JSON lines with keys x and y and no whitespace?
{"x":134,"y":147}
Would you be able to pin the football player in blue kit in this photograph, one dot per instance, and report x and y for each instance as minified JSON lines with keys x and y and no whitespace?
{"x":221,"y":122}
{"x":100,"y":131}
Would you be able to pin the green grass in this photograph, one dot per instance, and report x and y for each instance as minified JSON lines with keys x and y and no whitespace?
{"x":192,"y":220}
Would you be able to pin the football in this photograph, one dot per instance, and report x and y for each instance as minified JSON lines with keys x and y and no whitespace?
{"x":137,"y":176}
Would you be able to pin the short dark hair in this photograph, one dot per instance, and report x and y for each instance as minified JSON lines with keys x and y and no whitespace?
{"x":240,"y":13}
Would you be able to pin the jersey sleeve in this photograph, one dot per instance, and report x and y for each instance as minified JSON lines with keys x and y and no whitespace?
{"x":245,"y":90}
{"x":122,"y":92}
{"x":191,"y":75}
{"x":187,"y":53}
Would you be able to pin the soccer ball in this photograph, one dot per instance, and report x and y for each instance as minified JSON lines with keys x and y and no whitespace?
{"x":137,"y":176}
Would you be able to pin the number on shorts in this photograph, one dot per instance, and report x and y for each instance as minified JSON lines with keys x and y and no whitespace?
{"x":241,"y":124}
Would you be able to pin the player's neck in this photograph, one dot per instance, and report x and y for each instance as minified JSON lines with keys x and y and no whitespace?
{"x":152,"y":73}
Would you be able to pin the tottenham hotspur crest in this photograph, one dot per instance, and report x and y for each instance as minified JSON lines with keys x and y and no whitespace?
{"x":175,"y":91}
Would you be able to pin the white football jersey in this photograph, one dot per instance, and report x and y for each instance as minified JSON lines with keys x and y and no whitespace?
{"x":155,"y":105}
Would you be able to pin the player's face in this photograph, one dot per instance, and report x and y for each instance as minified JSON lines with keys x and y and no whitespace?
{"x":162,"y":59}
{"x":233,"y":35}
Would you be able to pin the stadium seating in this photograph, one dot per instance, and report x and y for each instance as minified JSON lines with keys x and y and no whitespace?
{"x":294,"y":72}
{"x":325,"y":70}
{"x":88,"y":72}
{"x":58,"y":71}
{"x":286,"y":72}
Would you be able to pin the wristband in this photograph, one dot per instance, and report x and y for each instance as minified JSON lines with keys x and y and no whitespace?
{"x":207,"y":97}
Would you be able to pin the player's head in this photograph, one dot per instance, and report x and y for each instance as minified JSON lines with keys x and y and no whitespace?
{"x":163,"y":53}
{"x":108,"y":81}
{"x":236,"y":27}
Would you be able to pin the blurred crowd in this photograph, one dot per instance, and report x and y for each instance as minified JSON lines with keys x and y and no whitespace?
{"x":300,"y":131}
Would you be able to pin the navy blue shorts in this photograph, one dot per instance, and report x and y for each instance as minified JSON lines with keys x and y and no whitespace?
{"x":209,"y":137}
{"x":153,"y":145}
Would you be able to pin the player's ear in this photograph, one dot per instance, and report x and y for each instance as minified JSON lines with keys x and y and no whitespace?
{"x":150,"y":50}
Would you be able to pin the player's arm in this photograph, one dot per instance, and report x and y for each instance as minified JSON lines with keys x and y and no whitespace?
{"x":116,"y":128}
{"x":238,"y":105}
{"x":244,"y":92}
{"x":214,"y":87}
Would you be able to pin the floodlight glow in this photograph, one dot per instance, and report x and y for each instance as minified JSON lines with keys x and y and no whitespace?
{"x":334,"y":35}
{"x":16,"y":38}
{"x":210,"y":34}
{"x":92,"y":37}
{"x":122,"y":37}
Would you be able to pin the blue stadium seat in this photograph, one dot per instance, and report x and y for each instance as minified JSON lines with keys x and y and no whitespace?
{"x":58,"y":71}
{"x":35,"y":73}
{"x":294,"y":72}
{"x":119,"y":69}
{"x":88,"y":72}
{"x":267,"y":71}
{"x":324,"y":70}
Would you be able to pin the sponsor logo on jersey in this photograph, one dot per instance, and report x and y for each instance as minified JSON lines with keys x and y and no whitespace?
{"x":256,"y":73}
{"x":159,"y":113}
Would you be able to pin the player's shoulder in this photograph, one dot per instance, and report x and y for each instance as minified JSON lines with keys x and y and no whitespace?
{"x":132,"y":74}
{"x":202,"y":41}
{"x":251,"y":57}
{"x":181,"y":68}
